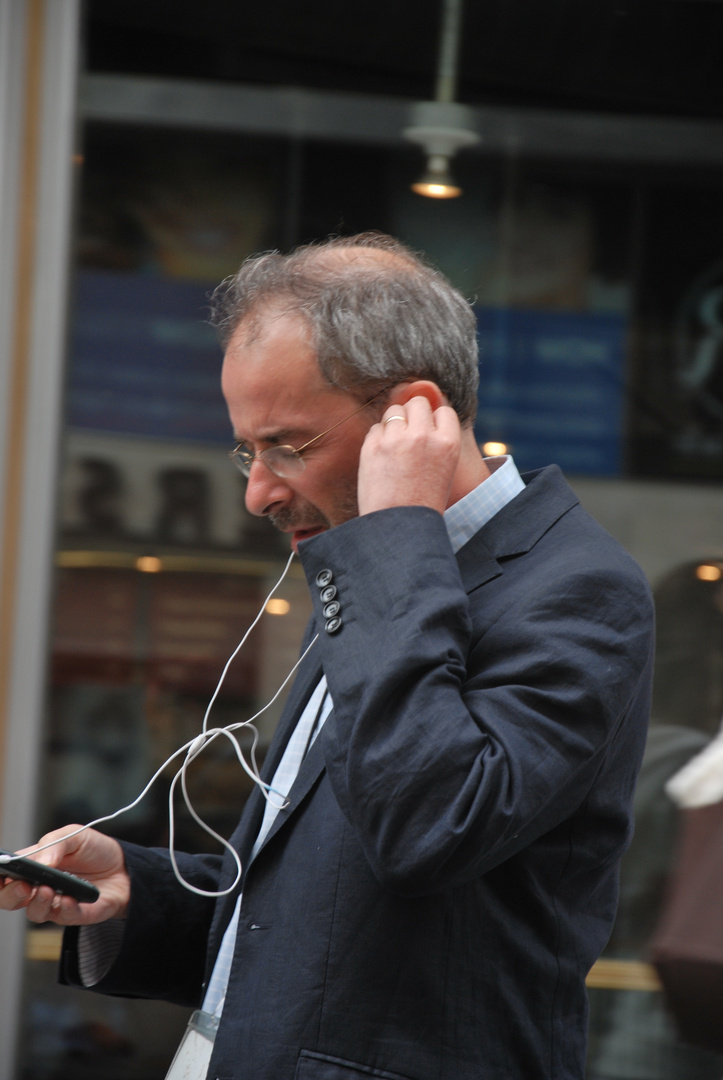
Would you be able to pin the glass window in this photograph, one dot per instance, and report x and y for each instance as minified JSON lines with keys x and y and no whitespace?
{"x":598,"y":296}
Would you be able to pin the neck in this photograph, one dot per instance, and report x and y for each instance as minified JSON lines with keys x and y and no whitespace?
{"x":471,"y":469}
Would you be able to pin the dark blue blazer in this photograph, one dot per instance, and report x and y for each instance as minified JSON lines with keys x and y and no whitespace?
{"x":430,"y":902}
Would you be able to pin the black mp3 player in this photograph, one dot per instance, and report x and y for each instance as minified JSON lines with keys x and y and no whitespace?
{"x":35,"y":873}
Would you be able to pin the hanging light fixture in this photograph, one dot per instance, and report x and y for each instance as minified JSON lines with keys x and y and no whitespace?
{"x":437,"y":182}
{"x":443,"y":126}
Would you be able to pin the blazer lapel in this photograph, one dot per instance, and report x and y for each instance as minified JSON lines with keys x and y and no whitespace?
{"x":477,"y":564}
{"x":517,"y":527}
{"x":309,"y":772}
{"x":245,"y":835}
{"x":306,"y":679}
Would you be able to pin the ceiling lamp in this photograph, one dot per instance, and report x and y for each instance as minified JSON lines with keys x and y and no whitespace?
{"x":443,"y":126}
{"x":441,"y":129}
{"x":437,"y":181}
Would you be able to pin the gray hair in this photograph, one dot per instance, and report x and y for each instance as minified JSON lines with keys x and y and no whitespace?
{"x":378,"y":314}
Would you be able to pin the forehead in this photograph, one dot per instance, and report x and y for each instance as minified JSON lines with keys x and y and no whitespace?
{"x":271,"y":378}
{"x":266,"y":317}
{"x":277,"y":344}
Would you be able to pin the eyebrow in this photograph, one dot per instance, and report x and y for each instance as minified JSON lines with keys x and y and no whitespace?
{"x":285,"y":437}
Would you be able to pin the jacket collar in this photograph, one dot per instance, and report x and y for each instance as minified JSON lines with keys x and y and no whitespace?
{"x":517,"y":527}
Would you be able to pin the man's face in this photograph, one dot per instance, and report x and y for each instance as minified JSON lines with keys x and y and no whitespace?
{"x":277,"y":396}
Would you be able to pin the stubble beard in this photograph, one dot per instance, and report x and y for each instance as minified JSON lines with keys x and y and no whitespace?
{"x":304,"y":515}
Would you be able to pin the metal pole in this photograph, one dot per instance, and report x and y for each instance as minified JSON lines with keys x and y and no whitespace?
{"x":449,"y":39}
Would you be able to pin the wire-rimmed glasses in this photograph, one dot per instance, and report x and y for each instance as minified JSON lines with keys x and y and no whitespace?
{"x":286,"y":461}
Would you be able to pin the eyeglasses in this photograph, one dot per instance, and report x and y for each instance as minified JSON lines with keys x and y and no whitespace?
{"x":285,"y":461}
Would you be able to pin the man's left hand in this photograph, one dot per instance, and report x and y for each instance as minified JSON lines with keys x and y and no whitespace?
{"x":410,"y":457}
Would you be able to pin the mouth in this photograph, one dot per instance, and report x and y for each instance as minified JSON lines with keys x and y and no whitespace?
{"x":305,"y":534}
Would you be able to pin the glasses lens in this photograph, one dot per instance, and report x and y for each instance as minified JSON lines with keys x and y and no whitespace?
{"x":282,"y":460}
{"x":242,"y":459}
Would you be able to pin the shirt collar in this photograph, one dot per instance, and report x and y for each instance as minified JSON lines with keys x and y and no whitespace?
{"x":467,"y":516}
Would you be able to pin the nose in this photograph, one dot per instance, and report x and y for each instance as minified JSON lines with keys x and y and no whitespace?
{"x":266,"y":492}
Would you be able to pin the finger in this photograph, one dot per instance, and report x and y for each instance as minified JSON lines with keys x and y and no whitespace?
{"x":49,"y":906}
{"x":418,"y":412}
{"x":445,"y":419}
{"x":71,"y":913}
{"x":59,"y":845}
{"x":394,"y":416}
{"x":15,"y":894}
{"x":40,"y":908}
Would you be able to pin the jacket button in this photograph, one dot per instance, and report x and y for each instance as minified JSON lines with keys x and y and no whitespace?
{"x":333,"y":625}
{"x":332,"y":609}
{"x":328,"y":594}
{"x":323,"y":578}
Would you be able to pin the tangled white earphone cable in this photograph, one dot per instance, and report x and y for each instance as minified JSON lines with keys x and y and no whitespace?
{"x":192,"y":749}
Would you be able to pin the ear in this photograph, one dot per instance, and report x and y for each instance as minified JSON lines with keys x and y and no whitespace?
{"x":404,"y":392}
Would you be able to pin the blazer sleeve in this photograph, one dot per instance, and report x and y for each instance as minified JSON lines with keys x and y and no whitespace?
{"x":163,"y":949}
{"x":465,"y":727}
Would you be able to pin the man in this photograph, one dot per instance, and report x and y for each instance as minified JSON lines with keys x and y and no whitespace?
{"x":467,"y":726}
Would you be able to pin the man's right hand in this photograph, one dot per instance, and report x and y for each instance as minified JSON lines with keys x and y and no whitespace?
{"x":90,"y":855}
